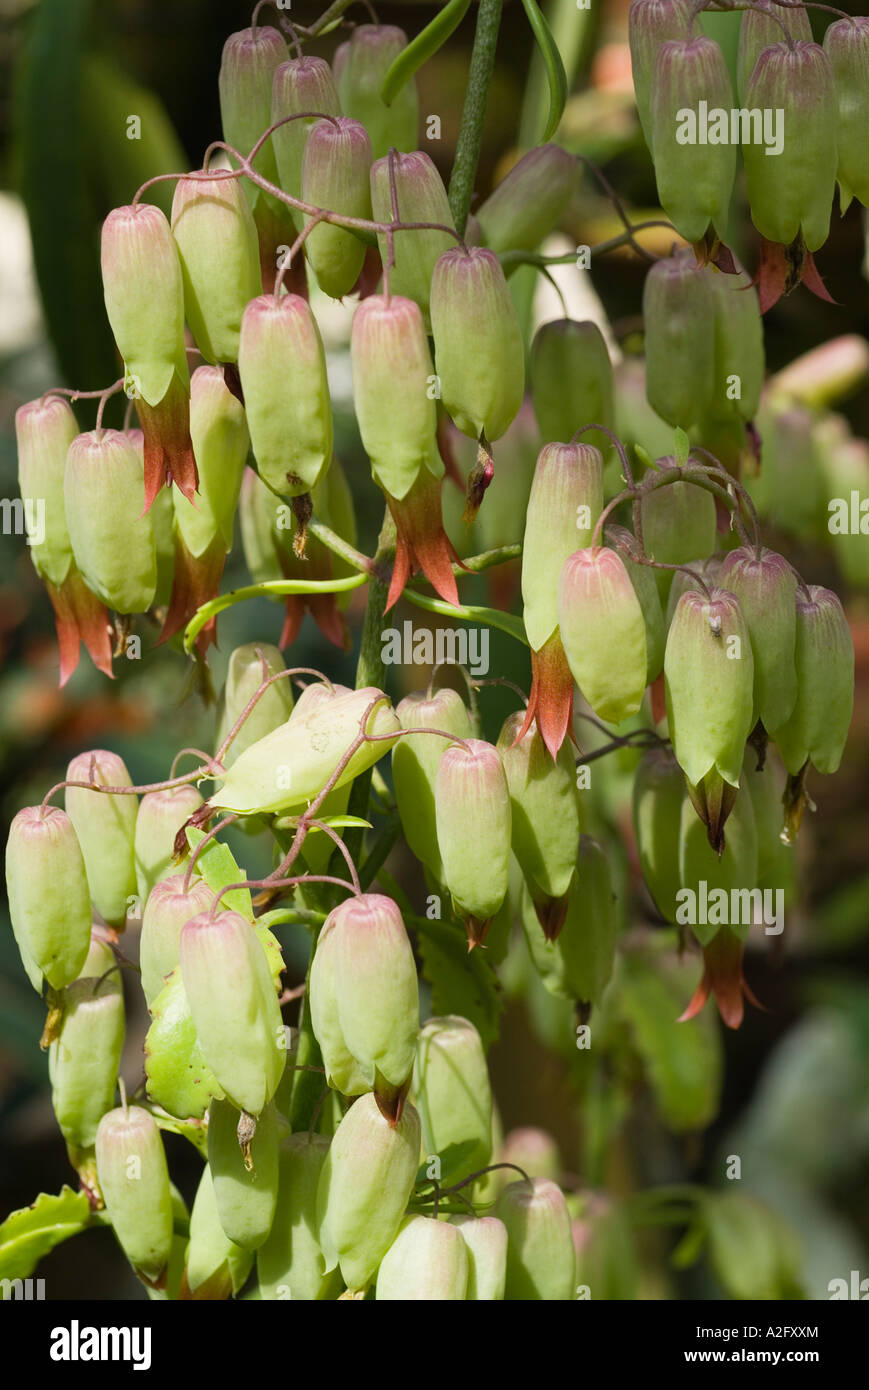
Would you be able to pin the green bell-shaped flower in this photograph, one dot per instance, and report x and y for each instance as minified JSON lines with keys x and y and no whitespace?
{"x":472,"y":812}
{"x":479,"y":354}
{"x":106,"y":827}
{"x":695,"y":177}
{"x":709,"y":676}
{"x":365,"y":1184}
{"x":234,"y":1006}
{"x":415,"y":760}
{"x":134,"y":1181}
{"x":428,"y":1260}
{"x":817,"y":727}
{"x":541,"y":1264}
{"x":49,"y":900}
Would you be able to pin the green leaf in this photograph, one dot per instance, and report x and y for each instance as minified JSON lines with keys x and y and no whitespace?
{"x":753,"y":1252}
{"x":120,"y":165}
{"x":690,"y":1247}
{"x":217,"y":866}
{"x":463,"y":982}
{"x":423,"y":47}
{"x":555,"y":74}
{"x":470,"y":613}
{"x":27,"y":1235}
{"x":683,"y":1060}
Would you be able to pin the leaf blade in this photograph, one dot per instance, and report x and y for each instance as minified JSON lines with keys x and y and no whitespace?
{"x":555,"y":74}
{"x":423,"y":47}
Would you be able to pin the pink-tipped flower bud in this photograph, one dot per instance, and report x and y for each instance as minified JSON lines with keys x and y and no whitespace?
{"x":364,"y":1187}
{"x":370,"y":1001}
{"x":678,"y":310}
{"x":44,"y":431}
{"x":695,"y":177}
{"x":144,"y":296}
{"x":421,"y":197}
{"x":540,"y":1257}
{"x":766,"y":587}
{"x":709,"y":675}
{"x":392,"y":392}
{"x":247,"y":69}
{"x":679,"y":522}
{"x":106,"y":829}
{"x":217,"y":241}
{"x":530,"y":202}
{"x":598,"y":611}
{"x":818,"y":725}
{"x":740,"y":361}
{"x":486,"y":1241}
{"x":452,"y":1093}
{"x":428,"y":1260}
{"x":760,"y":27}
{"x":161,"y":815}
{"x":301,"y":84}
{"x":472,"y":809}
{"x":544,"y":811}
{"x":479,"y":353}
{"x":642,"y":577}
{"x":234,"y":1005}
{"x":250,"y":665}
{"x":846,"y":44}
{"x":49,"y":901}
{"x":84,"y":1056}
{"x":793,"y":191}
{"x":112,"y":540}
{"x":290,"y":429}
{"x":168,"y":909}
{"x":567,"y":350}
{"x":651,"y":23}
{"x":415,"y":760}
{"x":565,"y":503}
{"x":364,"y":63}
{"x":134,"y":1180}
{"x":218,"y":429}
{"x":533,"y":1150}
{"x":336,"y":172}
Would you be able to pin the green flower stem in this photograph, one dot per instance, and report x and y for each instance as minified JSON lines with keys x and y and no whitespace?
{"x":340,"y":547}
{"x":272,"y":588}
{"x":474,"y":113}
{"x":509,"y":259}
{"x":492,"y":617}
{"x":487,"y":558}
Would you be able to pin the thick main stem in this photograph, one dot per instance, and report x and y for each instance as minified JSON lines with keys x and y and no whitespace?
{"x":474,"y":113}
